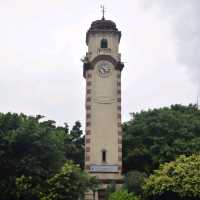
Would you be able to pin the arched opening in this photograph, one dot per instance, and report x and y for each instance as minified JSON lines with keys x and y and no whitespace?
{"x":104,"y":156}
{"x":104,"y":43}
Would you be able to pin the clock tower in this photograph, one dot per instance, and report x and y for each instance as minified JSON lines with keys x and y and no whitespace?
{"x":103,"y":135}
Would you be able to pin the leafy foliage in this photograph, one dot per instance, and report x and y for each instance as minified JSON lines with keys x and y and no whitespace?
{"x":74,"y":145}
{"x":157,"y":136}
{"x":134,"y":181}
{"x":178,"y":179}
{"x":111,"y":188}
{"x":70,"y":183}
{"x":25,"y":189}
{"x":122,"y":195}
{"x":32,"y":150}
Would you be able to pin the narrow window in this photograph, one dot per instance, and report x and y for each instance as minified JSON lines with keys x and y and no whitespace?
{"x":104,"y":156}
{"x":104,"y":43}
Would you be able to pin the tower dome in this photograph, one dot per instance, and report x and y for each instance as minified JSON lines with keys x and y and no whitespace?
{"x":102,"y":25}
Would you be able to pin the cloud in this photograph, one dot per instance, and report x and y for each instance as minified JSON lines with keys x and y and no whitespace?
{"x":184,"y":17}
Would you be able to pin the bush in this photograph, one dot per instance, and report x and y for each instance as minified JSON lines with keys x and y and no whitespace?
{"x":70,"y":183}
{"x":176,"y":180}
{"x":122,"y":195}
{"x":134,"y":181}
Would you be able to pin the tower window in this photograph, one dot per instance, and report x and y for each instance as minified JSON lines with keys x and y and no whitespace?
{"x":104,"y":156}
{"x":104,"y":43}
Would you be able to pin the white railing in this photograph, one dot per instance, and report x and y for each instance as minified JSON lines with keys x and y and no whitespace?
{"x":103,"y":51}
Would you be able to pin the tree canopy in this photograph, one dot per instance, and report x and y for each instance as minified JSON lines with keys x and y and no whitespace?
{"x":33,"y":149}
{"x":133,"y":182}
{"x":176,"y":180}
{"x":159,"y":135}
{"x":70,"y":183}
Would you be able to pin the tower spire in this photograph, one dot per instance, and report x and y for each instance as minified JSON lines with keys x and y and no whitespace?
{"x":103,"y":12}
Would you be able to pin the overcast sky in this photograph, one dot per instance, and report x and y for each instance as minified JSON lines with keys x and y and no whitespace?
{"x":42,"y":41}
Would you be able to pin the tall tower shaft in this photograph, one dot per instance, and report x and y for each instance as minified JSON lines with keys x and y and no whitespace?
{"x":102,"y":71}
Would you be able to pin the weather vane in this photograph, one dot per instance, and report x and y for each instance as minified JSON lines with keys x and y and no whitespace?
{"x":103,"y":11}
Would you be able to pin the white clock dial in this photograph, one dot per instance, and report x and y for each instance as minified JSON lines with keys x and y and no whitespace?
{"x":104,"y":69}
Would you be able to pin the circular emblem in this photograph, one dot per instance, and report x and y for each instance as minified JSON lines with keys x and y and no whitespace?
{"x":104,"y":69}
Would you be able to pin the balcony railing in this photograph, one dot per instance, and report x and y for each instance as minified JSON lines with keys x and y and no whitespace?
{"x":103,"y":51}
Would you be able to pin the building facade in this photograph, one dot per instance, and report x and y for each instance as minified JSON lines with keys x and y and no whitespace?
{"x":103,"y":135}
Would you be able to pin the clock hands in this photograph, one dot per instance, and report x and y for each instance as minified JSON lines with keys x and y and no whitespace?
{"x":104,"y":69}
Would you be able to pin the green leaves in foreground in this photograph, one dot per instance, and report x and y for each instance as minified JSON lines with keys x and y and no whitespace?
{"x":180,"y":179}
{"x":70,"y":183}
{"x":122,"y":195}
{"x":134,"y":181}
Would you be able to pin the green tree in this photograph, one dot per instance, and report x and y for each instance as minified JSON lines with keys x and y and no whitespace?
{"x":159,"y":135}
{"x":122,"y":195}
{"x":32,"y":150}
{"x":70,"y":183}
{"x":30,"y":147}
{"x":134,"y":181}
{"x":111,"y":188}
{"x":74,"y":145}
{"x":177,"y":180}
{"x":25,"y":189}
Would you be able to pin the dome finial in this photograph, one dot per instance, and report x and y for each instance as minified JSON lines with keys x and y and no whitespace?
{"x":103,"y":12}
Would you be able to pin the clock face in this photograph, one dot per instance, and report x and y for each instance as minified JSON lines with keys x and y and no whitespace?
{"x":104,"y":68}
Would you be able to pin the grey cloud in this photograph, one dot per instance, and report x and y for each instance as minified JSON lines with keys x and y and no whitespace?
{"x":184,"y":16}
